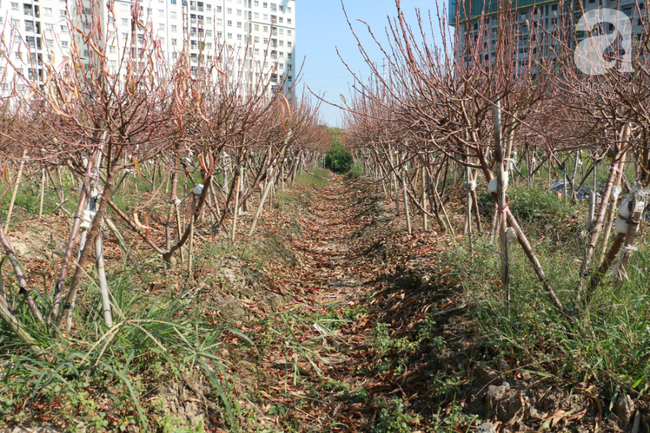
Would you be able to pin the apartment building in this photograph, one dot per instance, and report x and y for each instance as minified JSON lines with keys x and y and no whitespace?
{"x":260,"y":34}
{"x":535,"y":18}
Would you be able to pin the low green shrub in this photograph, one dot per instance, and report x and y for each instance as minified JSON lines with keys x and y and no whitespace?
{"x":338,"y":160}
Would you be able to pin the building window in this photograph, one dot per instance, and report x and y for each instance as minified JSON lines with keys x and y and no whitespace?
{"x":229,"y":10}
{"x":64,"y":44}
{"x":289,"y":9}
{"x":229,"y":35}
{"x":161,"y":26}
{"x":289,"y":32}
{"x":239,"y":24}
{"x":219,"y":9}
{"x":161,"y":13}
{"x":289,"y":21}
{"x":174,"y":28}
{"x":257,"y":27}
{"x":14,"y":6}
{"x":125,"y":21}
{"x":47,"y":12}
{"x":64,"y":28}
{"x":229,"y":23}
{"x":238,"y":11}
{"x":289,"y":44}
{"x":63,"y":13}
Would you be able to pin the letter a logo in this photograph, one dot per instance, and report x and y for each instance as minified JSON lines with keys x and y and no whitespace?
{"x":589,"y":52}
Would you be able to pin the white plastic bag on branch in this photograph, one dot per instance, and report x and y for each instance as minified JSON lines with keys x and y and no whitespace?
{"x":492,"y":185}
{"x":511,"y":235}
{"x":87,"y":219}
{"x":624,"y":214}
{"x":197,"y":190}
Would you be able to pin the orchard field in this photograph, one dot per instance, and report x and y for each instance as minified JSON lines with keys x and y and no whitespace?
{"x":195,"y":252}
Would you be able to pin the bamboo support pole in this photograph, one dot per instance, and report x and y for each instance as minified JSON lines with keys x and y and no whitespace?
{"x":15,"y":191}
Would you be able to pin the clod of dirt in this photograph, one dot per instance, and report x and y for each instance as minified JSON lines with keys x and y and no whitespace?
{"x":233,"y":284}
{"x":494,"y":396}
{"x":230,"y":307}
{"x":486,"y":428}
{"x":485,"y":375}
{"x":624,"y":409}
{"x":186,"y":399}
{"x":271,"y":303}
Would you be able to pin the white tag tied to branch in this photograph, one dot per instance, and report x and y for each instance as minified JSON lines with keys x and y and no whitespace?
{"x":197,"y":190}
{"x":470,"y":186}
{"x":618,"y":272}
{"x":493,"y":185}
{"x":87,"y":219}
{"x":616,"y":191}
{"x":511,"y":235}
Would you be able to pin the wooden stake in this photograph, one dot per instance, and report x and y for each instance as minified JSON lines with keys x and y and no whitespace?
{"x":40,"y":206}
{"x":501,"y":192}
{"x":15,"y":190}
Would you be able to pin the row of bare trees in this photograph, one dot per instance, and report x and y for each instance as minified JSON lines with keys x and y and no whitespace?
{"x":497,"y":92}
{"x":163,"y":123}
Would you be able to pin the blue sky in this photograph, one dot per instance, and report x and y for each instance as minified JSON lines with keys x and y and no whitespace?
{"x":321,"y":28}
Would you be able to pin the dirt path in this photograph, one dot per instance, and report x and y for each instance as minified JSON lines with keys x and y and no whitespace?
{"x":351,"y":245}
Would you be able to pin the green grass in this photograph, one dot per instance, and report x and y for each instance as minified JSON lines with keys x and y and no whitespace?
{"x":355,"y":172}
{"x":306,"y":179}
{"x":28,"y":199}
{"x":155,"y":338}
{"x":609,"y":342}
